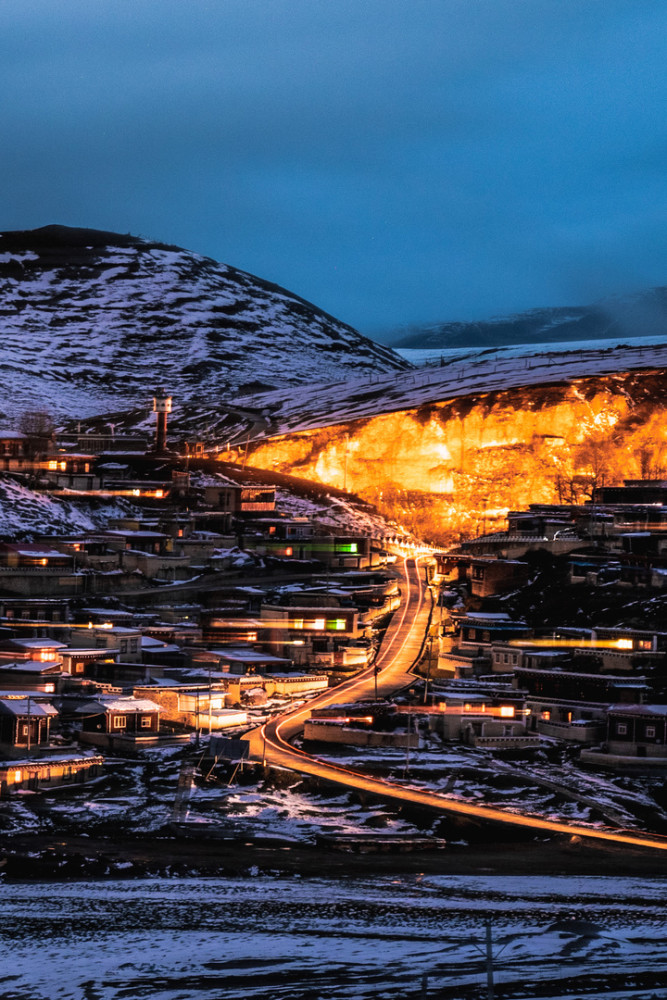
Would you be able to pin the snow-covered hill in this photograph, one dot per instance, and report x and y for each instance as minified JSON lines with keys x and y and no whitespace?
{"x":26,"y":514}
{"x":93,"y":322}
{"x":458,"y":374}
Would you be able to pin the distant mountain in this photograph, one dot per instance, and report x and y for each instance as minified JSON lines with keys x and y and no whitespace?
{"x":641,"y":315}
{"x":92,"y":322}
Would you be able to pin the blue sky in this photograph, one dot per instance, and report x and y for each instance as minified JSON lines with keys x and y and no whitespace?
{"x":393,"y":161}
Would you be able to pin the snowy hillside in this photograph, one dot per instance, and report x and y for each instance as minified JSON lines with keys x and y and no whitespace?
{"x":461,"y":373}
{"x":94,"y":322}
{"x":26,"y":514}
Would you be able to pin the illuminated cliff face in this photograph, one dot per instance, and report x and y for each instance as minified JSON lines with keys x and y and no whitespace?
{"x":457,"y":467}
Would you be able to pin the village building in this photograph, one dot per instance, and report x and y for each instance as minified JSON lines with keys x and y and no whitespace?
{"x":105,"y":717}
{"x":53,"y":772}
{"x":25,"y":721}
{"x":637,"y":730}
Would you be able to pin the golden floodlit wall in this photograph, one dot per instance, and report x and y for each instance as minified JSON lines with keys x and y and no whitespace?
{"x":455,"y":468}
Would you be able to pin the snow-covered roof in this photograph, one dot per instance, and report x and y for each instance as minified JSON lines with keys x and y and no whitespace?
{"x":637,"y":710}
{"x":38,"y":643}
{"x":247,"y":656}
{"x":31,"y":666}
{"x":118,"y":704}
{"x":26,"y":706}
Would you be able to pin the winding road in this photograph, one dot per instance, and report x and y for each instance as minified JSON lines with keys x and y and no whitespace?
{"x":399,"y":651}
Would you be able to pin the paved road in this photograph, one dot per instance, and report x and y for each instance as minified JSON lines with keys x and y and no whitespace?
{"x":400,"y":648}
{"x":402,"y":643}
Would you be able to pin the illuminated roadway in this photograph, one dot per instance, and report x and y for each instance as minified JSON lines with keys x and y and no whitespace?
{"x":401,"y":647}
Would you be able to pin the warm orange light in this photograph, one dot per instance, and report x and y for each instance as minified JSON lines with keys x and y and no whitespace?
{"x":289,"y":550}
{"x":43,"y":562}
{"x":507,"y":711}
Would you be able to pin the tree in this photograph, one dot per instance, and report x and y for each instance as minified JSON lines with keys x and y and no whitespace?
{"x":40,"y":430}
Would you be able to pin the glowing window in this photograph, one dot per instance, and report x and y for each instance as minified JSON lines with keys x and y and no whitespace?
{"x":546,"y":716}
{"x":62,"y":466}
{"x":289,"y":550}
{"x":507,"y":711}
{"x":348,"y":547}
{"x":52,"y":465}
{"x":119,"y":722}
{"x":17,"y":775}
{"x":624,"y":643}
{"x":318,"y":624}
{"x":145,"y":722}
{"x":336,"y":624}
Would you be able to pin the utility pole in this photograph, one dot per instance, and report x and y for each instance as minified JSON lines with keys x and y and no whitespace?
{"x":210,"y":693}
{"x":428,"y":668}
{"x":489,"y":961}
{"x":407,"y":747}
{"x":197,"y":719}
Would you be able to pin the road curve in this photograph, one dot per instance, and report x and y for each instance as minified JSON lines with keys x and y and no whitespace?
{"x":400,"y":649}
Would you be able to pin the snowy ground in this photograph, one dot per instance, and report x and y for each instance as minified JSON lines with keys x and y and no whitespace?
{"x":135,"y":797}
{"x":353,"y":938}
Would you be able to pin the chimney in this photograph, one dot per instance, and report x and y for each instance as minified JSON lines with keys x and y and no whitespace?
{"x":161,"y":407}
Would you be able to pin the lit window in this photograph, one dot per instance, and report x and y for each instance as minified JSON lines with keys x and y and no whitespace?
{"x":336,"y":625}
{"x":62,"y":466}
{"x":52,"y":465}
{"x":624,"y":643}
{"x":546,"y":715}
{"x":318,"y":624}
{"x":507,"y":711}
{"x":119,"y":722}
{"x":289,"y":551}
{"x":17,"y":775}
{"x":146,"y":722}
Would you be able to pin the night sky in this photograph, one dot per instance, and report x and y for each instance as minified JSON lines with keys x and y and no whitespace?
{"x":393,"y":161}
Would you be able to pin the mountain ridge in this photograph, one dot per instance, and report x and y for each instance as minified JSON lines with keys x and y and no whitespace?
{"x":643,"y":314}
{"x":94,"y":321}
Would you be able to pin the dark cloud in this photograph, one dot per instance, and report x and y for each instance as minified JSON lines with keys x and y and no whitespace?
{"x":395,"y":161}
